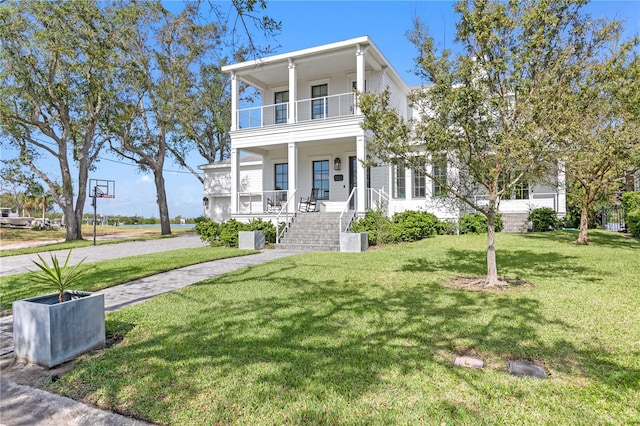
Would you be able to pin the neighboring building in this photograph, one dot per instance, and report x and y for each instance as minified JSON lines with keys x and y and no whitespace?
{"x":307,"y":134}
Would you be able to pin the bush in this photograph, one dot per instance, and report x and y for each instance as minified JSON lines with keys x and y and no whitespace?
{"x":209,"y":231}
{"x":477,"y":224}
{"x":633,"y":222}
{"x":631,"y":201}
{"x":377,"y":225}
{"x":266,"y":227}
{"x":544,"y":219}
{"x":412,"y":225}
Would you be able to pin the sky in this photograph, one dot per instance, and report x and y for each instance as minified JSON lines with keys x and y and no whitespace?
{"x":308,"y":24}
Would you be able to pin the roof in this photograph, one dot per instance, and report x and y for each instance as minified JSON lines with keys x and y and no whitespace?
{"x":272,"y":68}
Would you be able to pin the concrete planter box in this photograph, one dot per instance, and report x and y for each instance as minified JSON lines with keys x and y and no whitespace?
{"x":49,"y":333}
{"x":251,"y":240}
{"x":353,"y":242}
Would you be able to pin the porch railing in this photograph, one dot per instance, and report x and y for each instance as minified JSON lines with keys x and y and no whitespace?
{"x":341,"y":105}
{"x":535,"y":200}
{"x":347,"y":215}
{"x":261,"y":202}
{"x":287,"y":214}
{"x":377,"y":199}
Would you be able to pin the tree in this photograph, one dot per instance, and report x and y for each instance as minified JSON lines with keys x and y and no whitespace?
{"x":56,"y":64}
{"x":487,"y":110}
{"x":205,"y":122}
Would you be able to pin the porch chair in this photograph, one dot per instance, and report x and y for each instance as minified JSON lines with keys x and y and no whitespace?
{"x":271,"y":208}
{"x":308,"y":204}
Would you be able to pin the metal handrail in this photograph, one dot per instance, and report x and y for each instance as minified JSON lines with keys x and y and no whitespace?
{"x":346,"y":209}
{"x":285,"y":210}
{"x":339,"y":105}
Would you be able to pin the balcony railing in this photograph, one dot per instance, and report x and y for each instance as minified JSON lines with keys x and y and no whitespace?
{"x":334,"y":106}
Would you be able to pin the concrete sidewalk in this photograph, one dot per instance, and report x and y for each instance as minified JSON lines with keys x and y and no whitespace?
{"x":23,"y":405}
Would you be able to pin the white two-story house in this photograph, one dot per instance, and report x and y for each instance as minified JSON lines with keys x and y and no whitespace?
{"x":306,"y":135}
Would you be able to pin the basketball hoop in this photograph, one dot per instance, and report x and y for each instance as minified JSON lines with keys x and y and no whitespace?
{"x":100,"y":188}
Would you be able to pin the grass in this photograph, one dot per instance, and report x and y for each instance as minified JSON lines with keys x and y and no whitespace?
{"x":369,"y":338}
{"x":52,"y":239}
{"x":99,"y":275}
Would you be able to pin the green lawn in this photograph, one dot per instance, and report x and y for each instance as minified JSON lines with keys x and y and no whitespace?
{"x":99,"y":275}
{"x":369,"y":339}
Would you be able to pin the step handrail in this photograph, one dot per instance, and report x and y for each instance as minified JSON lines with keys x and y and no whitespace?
{"x":285,"y":210}
{"x":346,"y":210}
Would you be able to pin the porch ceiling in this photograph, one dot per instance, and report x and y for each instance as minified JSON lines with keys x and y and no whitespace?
{"x":274,"y":71}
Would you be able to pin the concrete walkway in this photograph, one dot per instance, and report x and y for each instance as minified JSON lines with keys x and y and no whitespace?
{"x":23,"y":405}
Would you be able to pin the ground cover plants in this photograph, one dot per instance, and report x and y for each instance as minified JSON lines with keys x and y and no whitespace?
{"x":99,"y":275}
{"x":369,"y":338}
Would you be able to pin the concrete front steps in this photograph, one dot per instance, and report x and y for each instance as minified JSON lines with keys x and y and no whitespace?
{"x":316,"y":231}
{"x":515,"y":222}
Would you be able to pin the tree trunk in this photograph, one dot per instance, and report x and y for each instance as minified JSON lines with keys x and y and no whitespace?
{"x":165,"y":224}
{"x":492,"y":267}
{"x":584,"y":224}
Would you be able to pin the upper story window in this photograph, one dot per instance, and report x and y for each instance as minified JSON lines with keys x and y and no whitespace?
{"x":319,"y":106}
{"x":440,"y":173}
{"x":419,"y":182}
{"x":521,"y":191}
{"x":281,"y":101}
{"x":399,"y":182}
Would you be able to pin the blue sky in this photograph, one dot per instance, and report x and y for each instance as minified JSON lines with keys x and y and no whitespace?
{"x":307,"y":24}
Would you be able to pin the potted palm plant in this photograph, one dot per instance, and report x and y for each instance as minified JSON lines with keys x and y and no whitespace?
{"x":55,"y":328}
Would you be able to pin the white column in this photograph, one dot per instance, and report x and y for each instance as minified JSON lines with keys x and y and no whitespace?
{"x":293,"y":91}
{"x":360,"y":67}
{"x":235,"y":179}
{"x":293,"y":173}
{"x":361,"y":174}
{"x":234,"y":101}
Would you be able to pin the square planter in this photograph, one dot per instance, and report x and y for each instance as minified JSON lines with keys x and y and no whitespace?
{"x":48,"y":333}
{"x":354,"y":242}
{"x":251,"y":240}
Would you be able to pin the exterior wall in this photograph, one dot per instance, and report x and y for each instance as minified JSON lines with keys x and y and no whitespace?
{"x":217,"y":188}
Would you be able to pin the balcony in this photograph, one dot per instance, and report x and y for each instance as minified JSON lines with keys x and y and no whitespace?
{"x":305,"y":110}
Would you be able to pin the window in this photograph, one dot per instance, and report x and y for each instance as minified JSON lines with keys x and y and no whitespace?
{"x":419,"y":182}
{"x":319,"y":105}
{"x":440,"y":173}
{"x":281,"y":101}
{"x":321,"y":178}
{"x":281,"y":177}
{"x":521,"y":191}
{"x":399,"y":181}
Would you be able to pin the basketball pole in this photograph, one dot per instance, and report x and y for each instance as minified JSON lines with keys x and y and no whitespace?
{"x":95,"y":212}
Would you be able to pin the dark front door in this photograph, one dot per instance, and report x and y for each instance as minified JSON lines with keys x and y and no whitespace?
{"x":353,"y":178}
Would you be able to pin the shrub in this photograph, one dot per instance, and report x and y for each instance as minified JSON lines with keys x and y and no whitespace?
{"x":544,"y":219}
{"x":631,"y":201}
{"x":209,"y":230}
{"x":266,"y":227}
{"x":477,"y":224}
{"x":412,"y":225}
{"x":633,"y":222}
{"x":377,"y":225}
{"x":229,"y":232}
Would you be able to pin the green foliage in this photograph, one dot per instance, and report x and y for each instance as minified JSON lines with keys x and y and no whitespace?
{"x":414,"y":225}
{"x":61,"y":277}
{"x":405,"y":226}
{"x":266,"y":227}
{"x":631,"y":201}
{"x":633,"y":222}
{"x":226,"y":233}
{"x":477,"y":224}
{"x":544,"y":219}
{"x":377,"y":225}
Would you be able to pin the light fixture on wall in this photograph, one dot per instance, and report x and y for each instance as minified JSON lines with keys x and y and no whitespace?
{"x":205,"y":202}
{"x":337,"y":164}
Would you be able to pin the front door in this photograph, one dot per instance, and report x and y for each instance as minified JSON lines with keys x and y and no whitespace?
{"x":353,"y":178}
